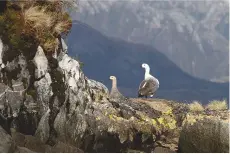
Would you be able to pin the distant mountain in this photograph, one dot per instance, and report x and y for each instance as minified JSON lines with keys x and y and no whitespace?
{"x":193,"y":34}
{"x":103,"y":56}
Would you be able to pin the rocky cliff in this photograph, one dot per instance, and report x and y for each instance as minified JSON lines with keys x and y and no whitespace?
{"x":60,"y":109}
{"x":68,"y":107}
{"x":47,"y":104}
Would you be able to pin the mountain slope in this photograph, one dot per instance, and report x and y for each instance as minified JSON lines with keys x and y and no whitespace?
{"x":105,"y":56}
{"x":193,"y":34}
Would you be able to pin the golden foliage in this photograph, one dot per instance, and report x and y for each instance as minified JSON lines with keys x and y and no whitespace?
{"x":217,"y":105}
{"x":50,"y":44}
{"x":39,"y":18}
{"x":42,"y":21}
{"x":196,"y":107}
{"x":60,"y":27}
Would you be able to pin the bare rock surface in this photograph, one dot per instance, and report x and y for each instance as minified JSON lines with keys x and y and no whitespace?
{"x":60,"y":110}
{"x":6,"y":142}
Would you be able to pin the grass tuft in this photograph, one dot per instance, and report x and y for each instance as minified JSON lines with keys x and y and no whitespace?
{"x":217,"y":105}
{"x":60,"y":27}
{"x":195,"y":106}
{"x":38,"y":17}
{"x":26,"y":24}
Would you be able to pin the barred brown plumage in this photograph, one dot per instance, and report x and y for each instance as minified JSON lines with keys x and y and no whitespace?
{"x":114,"y":93}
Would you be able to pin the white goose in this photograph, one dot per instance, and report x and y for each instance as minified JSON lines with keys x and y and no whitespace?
{"x":149,"y":85}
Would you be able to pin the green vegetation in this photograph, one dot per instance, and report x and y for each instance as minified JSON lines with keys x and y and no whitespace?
{"x":26,"y":24}
{"x":195,"y":106}
{"x":217,"y":105}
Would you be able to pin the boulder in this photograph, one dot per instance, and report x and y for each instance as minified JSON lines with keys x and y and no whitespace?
{"x":206,"y":135}
{"x":23,"y":150}
{"x":6,"y":142}
{"x":28,"y":143}
{"x":61,"y":147}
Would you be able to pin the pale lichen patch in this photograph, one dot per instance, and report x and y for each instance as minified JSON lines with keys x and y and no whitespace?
{"x":41,"y":62}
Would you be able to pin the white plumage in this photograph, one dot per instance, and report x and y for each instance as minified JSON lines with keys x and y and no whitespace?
{"x":149,"y":85}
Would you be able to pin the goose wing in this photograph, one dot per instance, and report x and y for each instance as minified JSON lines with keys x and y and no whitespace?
{"x":148,"y":87}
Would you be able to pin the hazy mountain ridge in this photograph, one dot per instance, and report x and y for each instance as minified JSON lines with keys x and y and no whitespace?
{"x":104,"y":56}
{"x":194,"y":35}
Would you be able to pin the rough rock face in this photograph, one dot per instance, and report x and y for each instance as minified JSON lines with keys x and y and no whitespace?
{"x":28,"y":143}
{"x":6,"y":142}
{"x":60,"y":109}
{"x":72,"y":108}
{"x":23,"y":150}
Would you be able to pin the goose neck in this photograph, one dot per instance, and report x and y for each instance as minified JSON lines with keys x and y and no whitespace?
{"x":147,"y":70}
{"x":114,"y":84}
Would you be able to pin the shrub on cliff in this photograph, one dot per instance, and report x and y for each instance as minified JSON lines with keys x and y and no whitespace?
{"x":25,"y":24}
{"x":196,"y":107}
{"x":217,"y":105}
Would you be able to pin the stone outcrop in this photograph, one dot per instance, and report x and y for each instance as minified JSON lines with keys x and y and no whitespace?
{"x":6,"y":142}
{"x":20,"y":143}
{"x":70,"y":108}
{"x":205,"y":134}
{"x":28,"y":144}
{"x":58,"y":108}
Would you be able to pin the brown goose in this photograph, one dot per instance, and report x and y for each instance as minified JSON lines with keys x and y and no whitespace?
{"x":114,"y":93}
